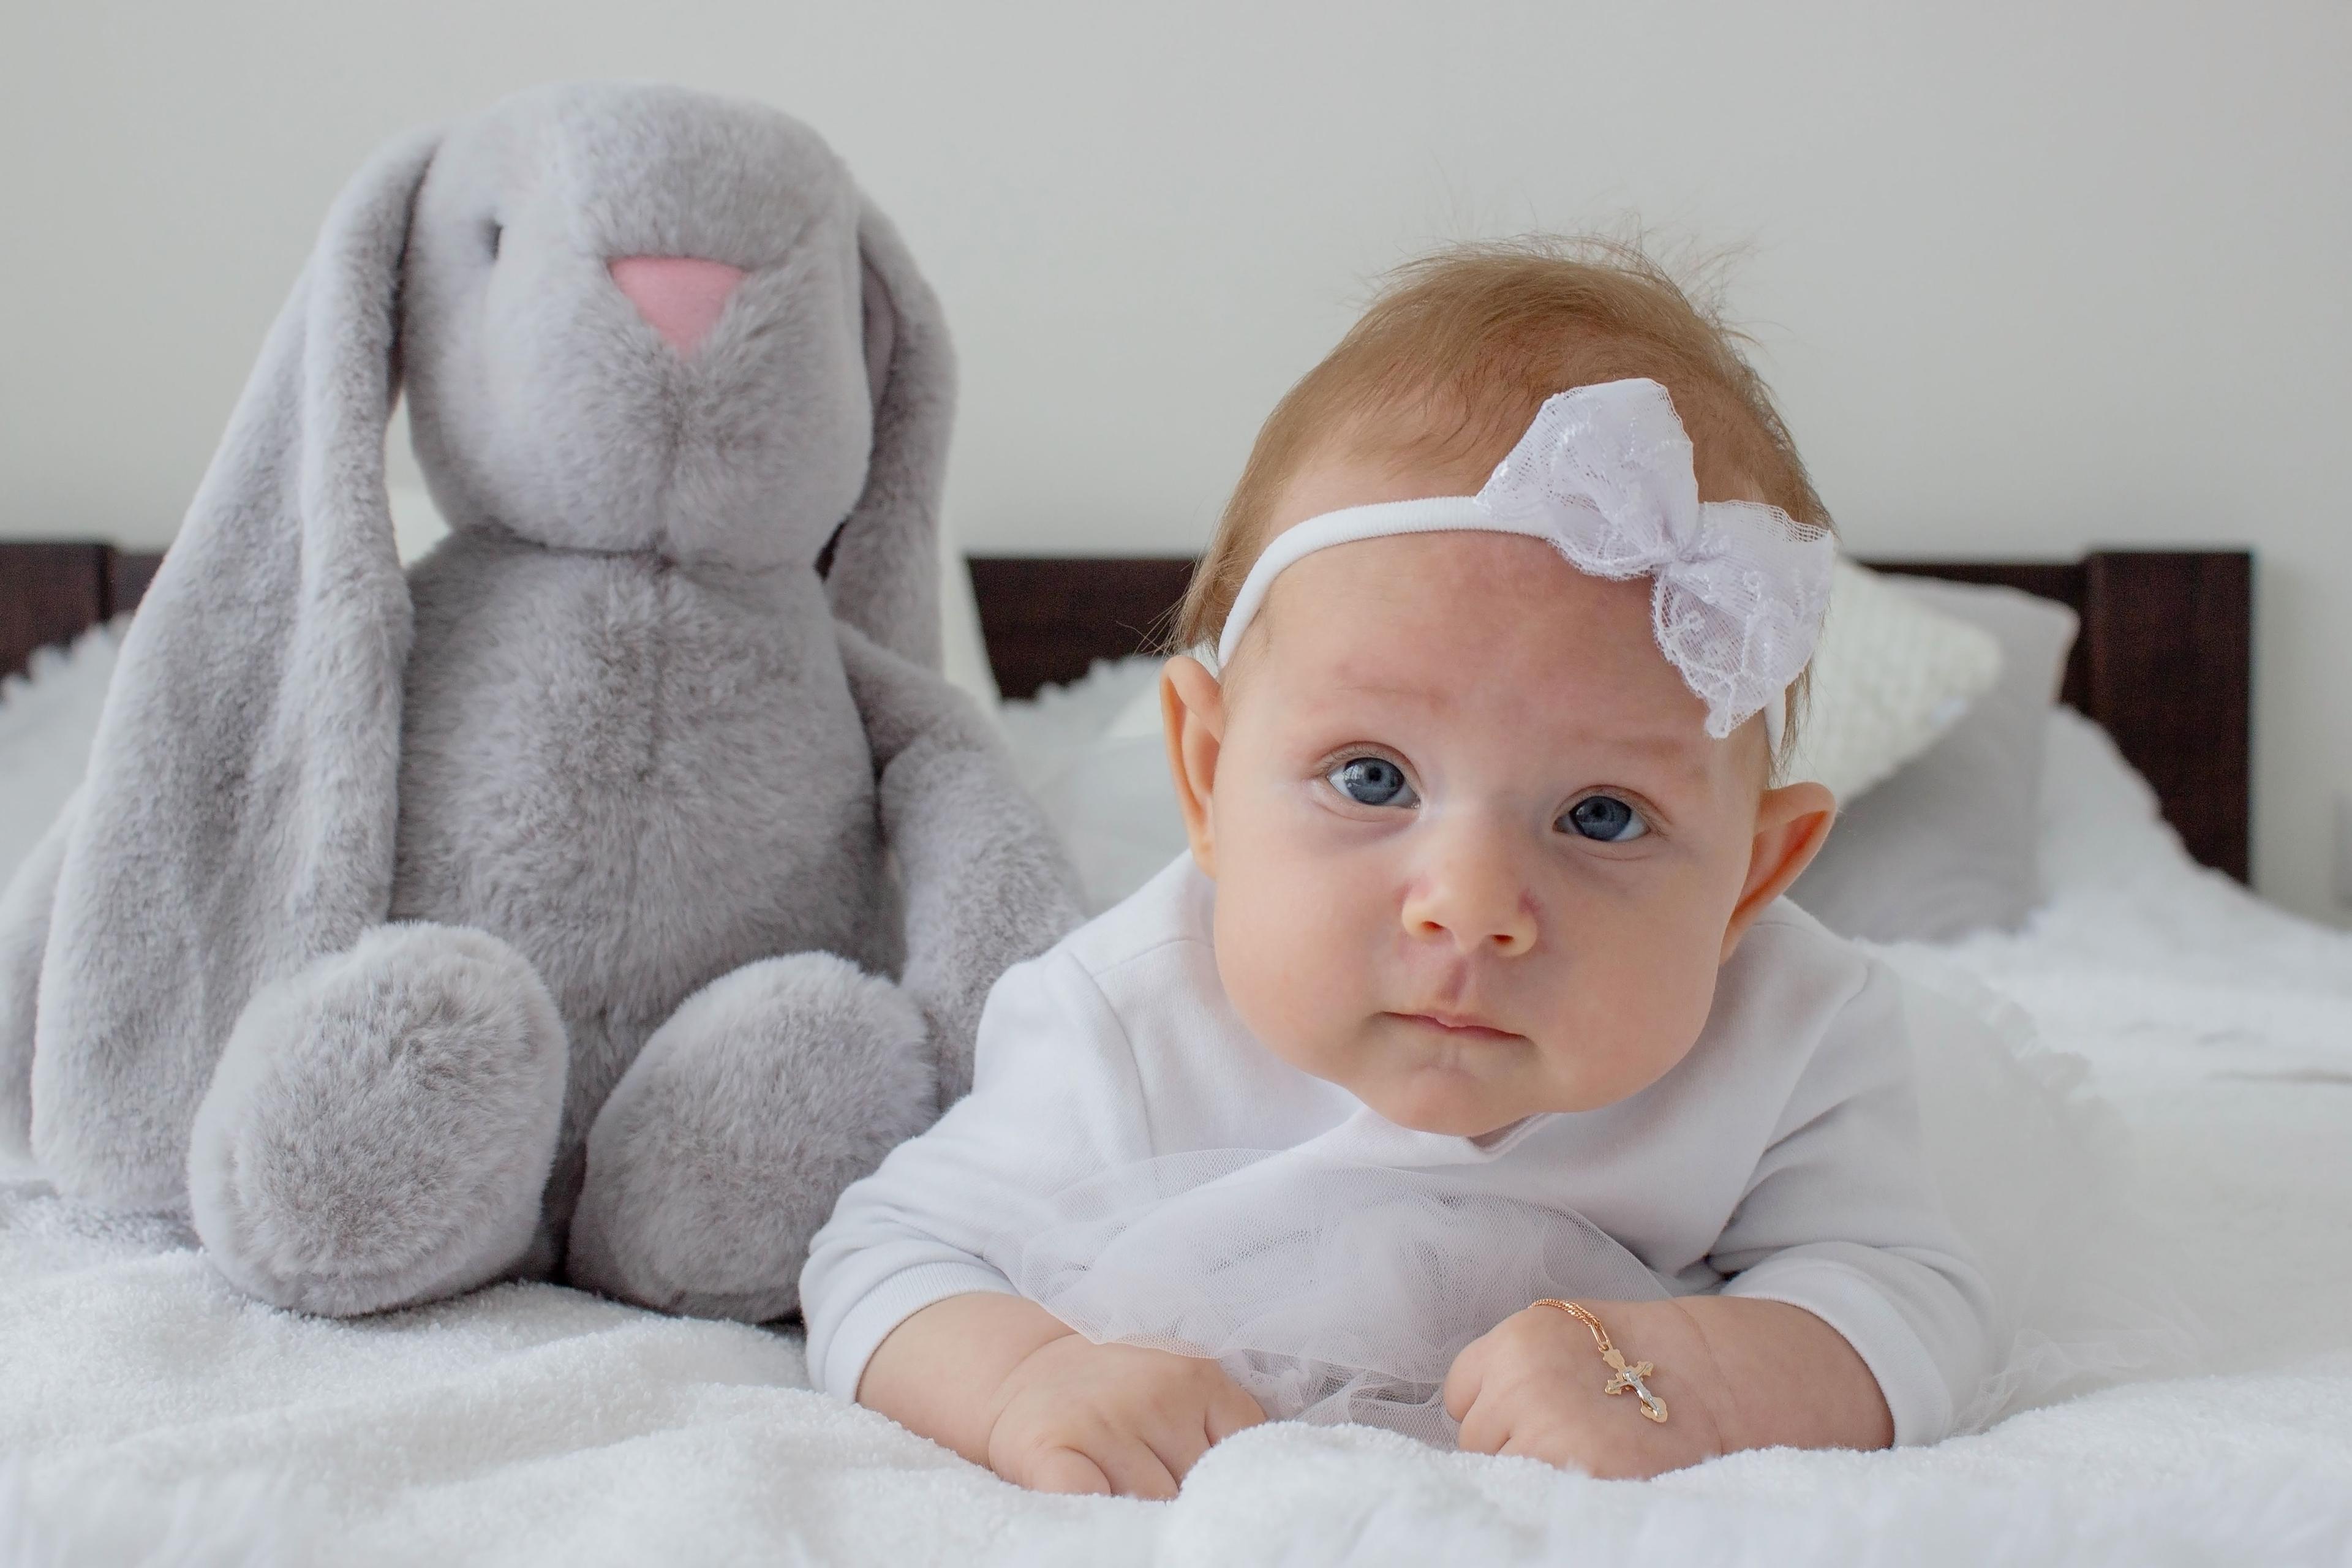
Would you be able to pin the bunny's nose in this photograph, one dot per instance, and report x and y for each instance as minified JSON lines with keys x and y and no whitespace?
{"x":679,"y":296}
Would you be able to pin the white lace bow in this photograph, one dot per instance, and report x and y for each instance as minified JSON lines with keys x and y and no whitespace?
{"x":1604,"y":475}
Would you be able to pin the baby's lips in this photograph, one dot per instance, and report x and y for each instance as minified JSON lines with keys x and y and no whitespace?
{"x":1463,"y":1025}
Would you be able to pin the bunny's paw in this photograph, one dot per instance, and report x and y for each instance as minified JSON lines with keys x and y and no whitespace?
{"x":723,"y":1147}
{"x":381,"y":1124}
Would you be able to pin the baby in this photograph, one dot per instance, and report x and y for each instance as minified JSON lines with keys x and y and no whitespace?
{"x":1469,"y":1075}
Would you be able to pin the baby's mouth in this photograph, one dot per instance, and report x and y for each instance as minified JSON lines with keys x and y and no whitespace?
{"x":1461,"y":1026}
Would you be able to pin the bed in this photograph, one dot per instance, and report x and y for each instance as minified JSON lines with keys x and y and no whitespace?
{"x":148,"y":1414}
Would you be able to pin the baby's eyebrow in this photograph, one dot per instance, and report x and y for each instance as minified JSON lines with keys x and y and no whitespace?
{"x":1357,"y":676}
{"x":1673,"y":749}
{"x":1672,"y":746}
{"x":1675,"y":754}
{"x":1433,"y":694}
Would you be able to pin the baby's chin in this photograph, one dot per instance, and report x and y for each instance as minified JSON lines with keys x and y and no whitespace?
{"x":1471,"y":1087}
{"x":1473,"y":1122}
{"x":1443,"y":1099}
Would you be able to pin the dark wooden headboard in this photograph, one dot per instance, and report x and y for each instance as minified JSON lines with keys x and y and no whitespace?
{"x":2165,"y":661}
{"x":52,"y":593}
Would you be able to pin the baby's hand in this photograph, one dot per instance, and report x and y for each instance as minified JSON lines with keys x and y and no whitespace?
{"x":1533,"y":1385}
{"x":1076,"y":1416}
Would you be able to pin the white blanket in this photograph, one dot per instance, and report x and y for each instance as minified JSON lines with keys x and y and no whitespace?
{"x":143,"y":1401}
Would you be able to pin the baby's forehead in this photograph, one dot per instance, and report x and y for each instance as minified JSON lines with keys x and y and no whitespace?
{"x":1500,"y":596}
{"x":1454,"y":614}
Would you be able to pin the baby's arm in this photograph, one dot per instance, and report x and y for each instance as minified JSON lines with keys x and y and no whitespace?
{"x":1852,"y":1316}
{"x":1842,"y":1218}
{"x":908,"y":1308}
{"x":1732,"y":1373}
{"x":1006,"y":1384}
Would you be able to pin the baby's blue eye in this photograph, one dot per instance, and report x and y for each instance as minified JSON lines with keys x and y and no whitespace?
{"x":1606,"y":818}
{"x":1372,"y":781}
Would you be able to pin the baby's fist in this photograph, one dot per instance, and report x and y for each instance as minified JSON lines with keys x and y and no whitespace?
{"x":1533,"y":1385}
{"x":1076,"y":1416}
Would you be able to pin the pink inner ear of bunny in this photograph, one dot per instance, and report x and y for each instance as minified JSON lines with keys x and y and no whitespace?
{"x":680,"y":297}
{"x":881,"y":333}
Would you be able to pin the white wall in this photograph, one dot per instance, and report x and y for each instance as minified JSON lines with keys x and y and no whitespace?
{"x":2029,"y":277}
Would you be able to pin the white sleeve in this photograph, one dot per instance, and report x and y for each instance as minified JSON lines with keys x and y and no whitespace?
{"x":1842,"y":1218}
{"x":1054,"y":1098}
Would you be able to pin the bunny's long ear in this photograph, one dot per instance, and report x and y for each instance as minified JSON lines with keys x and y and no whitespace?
{"x":885,"y":574}
{"x":238,"y":816}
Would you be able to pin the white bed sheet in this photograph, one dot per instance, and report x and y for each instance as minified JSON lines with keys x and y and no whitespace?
{"x":143,"y":1402}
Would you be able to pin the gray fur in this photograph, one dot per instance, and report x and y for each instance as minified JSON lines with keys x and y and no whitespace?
{"x":885,"y":579}
{"x":951,"y":827}
{"x":609,"y":755}
{"x":379,"y":1127}
{"x":679,"y":1175}
{"x":237,"y":823}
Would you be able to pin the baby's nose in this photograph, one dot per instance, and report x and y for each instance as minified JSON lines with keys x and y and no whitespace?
{"x":1475,"y":903}
{"x":680,"y":297}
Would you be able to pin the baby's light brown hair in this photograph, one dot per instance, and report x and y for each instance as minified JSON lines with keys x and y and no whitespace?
{"x":1448,"y":368}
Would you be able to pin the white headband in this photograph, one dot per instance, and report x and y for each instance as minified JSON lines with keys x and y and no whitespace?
{"x":1604,"y":475}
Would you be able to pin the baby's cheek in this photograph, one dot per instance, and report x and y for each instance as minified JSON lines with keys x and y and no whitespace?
{"x":1678,"y":993}
{"x":1284,"y":964}
{"x":1639,"y":1005}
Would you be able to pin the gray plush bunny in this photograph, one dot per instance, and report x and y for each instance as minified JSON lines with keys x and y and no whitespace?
{"x":532,"y":914}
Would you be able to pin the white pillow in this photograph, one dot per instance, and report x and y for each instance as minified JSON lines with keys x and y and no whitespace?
{"x":1091,"y":755}
{"x":48,"y":716}
{"x":1891,"y":675}
{"x":417,"y":527}
{"x":2101,"y":825}
{"x":964,"y":651}
{"x":1139,"y":714}
{"x":1943,"y":846}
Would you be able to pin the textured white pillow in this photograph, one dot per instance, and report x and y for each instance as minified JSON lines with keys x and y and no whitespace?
{"x":1946,"y":845}
{"x":1890,"y":675}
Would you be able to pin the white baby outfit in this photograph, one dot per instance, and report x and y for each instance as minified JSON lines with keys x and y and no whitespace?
{"x":1131,"y":1157}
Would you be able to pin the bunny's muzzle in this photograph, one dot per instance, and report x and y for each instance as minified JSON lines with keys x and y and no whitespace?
{"x":680,"y":297}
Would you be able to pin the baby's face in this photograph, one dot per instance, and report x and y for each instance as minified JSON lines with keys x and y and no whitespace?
{"x":1475,"y":855}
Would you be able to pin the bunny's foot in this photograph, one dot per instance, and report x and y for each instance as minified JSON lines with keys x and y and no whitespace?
{"x":721,"y":1152}
{"x":381,"y":1124}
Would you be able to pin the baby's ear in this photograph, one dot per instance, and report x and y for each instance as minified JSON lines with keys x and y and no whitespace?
{"x":1192,"y":707}
{"x":1792,"y":823}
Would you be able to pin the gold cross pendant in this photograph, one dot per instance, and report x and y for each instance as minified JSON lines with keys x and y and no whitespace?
{"x":1628,"y":1380}
{"x":1623,"y":1379}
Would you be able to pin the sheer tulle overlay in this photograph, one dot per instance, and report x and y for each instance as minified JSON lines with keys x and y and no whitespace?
{"x":1332,"y":1293}
{"x":1339,"y":1293}
{"x":2039,"y":1174}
